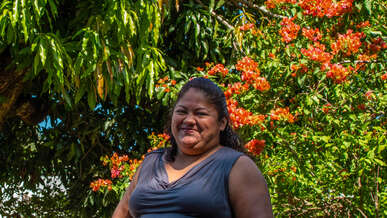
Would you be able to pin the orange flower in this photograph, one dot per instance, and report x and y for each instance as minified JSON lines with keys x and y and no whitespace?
{"x":282,"y":113}
{"x":363,"y":24}
{"x":101,"y":183}
{"x":240,"y":116}
{"x":167,"y":90}
{"x":289,"y":30}
{"x":200,"y":68}
{"x":317,"y":53}
{"x":261,"y":84}
{"x":218,"y":68}
{"x":312,"y":34}
{"x":246,"y":27}
{"x":338,"y":73}
{"x":384,"y":76}
{"x":173,"y":82}
{"x":328,"y":8}
{"x":255,"y":146}
{"x":326,"y":108}
{"x":247,"y":65}
{"x":369,"y":95}
{"x":348,"y":43}
{"x":235,"y":88}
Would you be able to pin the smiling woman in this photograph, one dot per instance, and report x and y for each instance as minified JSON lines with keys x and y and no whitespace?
{"x":195,"y":124}
{"x":203,"y":174}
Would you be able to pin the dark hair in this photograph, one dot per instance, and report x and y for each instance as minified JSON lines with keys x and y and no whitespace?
{"x":216,"y":97}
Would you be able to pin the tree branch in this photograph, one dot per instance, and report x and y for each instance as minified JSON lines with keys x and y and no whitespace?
{"x":261,"y":8}
{"x":224,"y":22}
{"x":362,"y":61}
{"x":217,"y":16}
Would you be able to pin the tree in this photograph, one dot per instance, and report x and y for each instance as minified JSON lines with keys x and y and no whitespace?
{"x":92,"y":71}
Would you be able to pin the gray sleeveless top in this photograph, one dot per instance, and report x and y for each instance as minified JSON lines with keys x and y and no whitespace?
{"x":201,"y":192}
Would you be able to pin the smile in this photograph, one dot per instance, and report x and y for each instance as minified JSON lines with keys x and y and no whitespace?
{"x":188,"y":130}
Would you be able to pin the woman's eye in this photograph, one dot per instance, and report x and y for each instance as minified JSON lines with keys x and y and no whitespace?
{"x":180,"y":111}
{"x":202,"y":114}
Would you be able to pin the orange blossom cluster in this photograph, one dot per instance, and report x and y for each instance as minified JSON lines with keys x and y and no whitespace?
{"x":377,"y":45}
{"x":250,"y":66}
{"x":158,"y":141}
{"x":328,"y":8}
{"x":338,"y":73}
{"x":251,"y":74}
{"x":240,"y":116}
{"x":348,"y":43}
{"x":301,"y":68}
{"x":317,"y":53}
{"x":365,"y":58}
{"x":317,"y":8}
{"x":165,"y":83}
{"x":116,"y":165}
{"x":255,"y":146}
{"x":282,"y":113}
{"x":261,"y":84}
{"x":326,"y":108}
{"x":96,"y":185}
{"x":235,"y":88}
{"x":312,"y":34}
{"x":218,"y":68}
{"x":363,"y":24}
{"x":289,"y":29}
{"x":246,"y":26}
{"x":133,"y":165}
{"x":273,"y":3}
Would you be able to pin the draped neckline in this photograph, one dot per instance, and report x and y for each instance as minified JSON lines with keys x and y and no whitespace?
{"x":163,"y":176}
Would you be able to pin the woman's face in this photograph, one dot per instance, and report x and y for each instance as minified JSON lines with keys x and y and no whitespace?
{"x":195,"y":124}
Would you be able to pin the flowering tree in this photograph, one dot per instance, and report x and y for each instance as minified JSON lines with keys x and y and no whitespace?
{"x":305,"y":82}
{"x":309,"y":98}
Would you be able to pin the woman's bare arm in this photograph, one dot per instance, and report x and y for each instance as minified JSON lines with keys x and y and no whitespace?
{"x":122,"y":210}
{"x":249,"y":195}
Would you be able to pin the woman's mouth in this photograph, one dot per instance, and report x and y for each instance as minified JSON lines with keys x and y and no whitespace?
{"x":188,"y":130}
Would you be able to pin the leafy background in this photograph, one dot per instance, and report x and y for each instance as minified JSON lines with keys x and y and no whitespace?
{"x":80,"y":80}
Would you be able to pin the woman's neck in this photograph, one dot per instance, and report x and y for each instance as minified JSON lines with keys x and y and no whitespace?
{"x":183,"y":160}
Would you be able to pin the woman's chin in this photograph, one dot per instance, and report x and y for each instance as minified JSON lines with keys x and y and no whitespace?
{"x":189,"y":142}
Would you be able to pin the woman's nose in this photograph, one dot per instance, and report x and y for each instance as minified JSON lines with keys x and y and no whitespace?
{"x":189,"y":119}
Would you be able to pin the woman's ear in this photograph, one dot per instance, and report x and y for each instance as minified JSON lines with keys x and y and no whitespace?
{"x":223,"y":123}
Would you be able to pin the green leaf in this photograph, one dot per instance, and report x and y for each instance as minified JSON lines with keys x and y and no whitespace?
{"x":309,"y":101}
{"x":380,"y":162}
{"x":91,"y":99}
{"x":36,"y":64}
{"x":67,"y":98}
{"x":150,"y":79}
{"x":211,"y":6}
{"x":325,"y":138}
{"x":15,"y":13}
{"x":368,"y":6}
{"x":42,"y":53}
{"x":219,"y":4}
{"x":80,"y":93}
{"x":54,"y":10}
{"x":24,"y":22}
{"x":187,"y":26}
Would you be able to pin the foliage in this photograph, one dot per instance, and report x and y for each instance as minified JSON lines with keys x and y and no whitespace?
{"x":315,"y":108}
{"x":305,"y":80}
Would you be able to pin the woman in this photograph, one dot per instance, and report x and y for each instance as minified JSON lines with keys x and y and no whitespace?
{"x":203,"y":174}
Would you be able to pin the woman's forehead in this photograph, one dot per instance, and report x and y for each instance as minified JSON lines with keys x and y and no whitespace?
{"x":194,"y":97}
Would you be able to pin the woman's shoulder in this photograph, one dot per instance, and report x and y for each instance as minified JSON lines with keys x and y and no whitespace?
{"x":156,"y":152}
{"x":228,"y":152}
